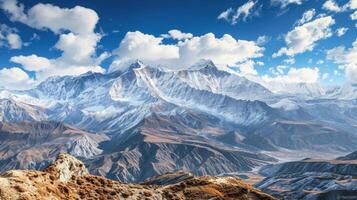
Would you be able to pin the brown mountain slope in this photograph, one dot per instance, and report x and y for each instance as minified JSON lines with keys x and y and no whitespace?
{"x":67,"y":178}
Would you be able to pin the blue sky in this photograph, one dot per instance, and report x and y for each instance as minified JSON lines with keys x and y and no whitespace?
{"x":272,"y":19}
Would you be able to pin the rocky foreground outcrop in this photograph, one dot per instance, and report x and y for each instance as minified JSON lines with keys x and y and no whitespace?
{"x":68,"y":178}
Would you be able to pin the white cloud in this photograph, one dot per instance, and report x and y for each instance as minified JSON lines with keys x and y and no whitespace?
{"x":78,"y":20}
{"x":303,"y":38}
{"x":32,"y":62}
{"x":78,"y":45}
{"x":325,"y":76}
{"x":347,"y":58}
{"x":223,"y":51}
{"x":307,"y":16}
{"x":14,"y":41}
{"x":331,"y":5}
{"x":137,"y":45}
{"x":15,"y":9}
{"x":354,"y":16}
{"x":242,"y":13}
{"x":225,"y":14}
{"x":279,"y":70}
{"x":45,"y":68}
{"x":150,"y":49}
{"x":341,"y":31}
{"x":262,"y":40}
{"x":177,"y":35}
{"x":289,"y":61}
{"x":295,"y":75}
{"x":352,"y":4}
{"x":247,"y":68}
{"x":78,"y":49}
{"x":9,"y":37}
{"x":77,"y":38}
{"x":15,"y":78}
{"x":285,"y":3}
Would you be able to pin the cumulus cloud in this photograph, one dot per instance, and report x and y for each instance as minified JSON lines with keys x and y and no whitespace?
{"x":177,"y":35}
{"x":287,"y":79}
{"x":247,"y":68}
{"x":45,"y":68}
{"x":347,"y":58}
{"x":285,"y":3}
{"x":79,"y":44}
{"x":303,"y":38}
{"x":150,"y":49}
{"x":241,"y":13}
{"x":78,"y":20}
{"x":77,"y":49}
{"x":9,"y":37}
{"x":137,"y":45}
{"x":77,"y":38}
{"x":15,"y":78}
{"x":307,"y":16}
{"x":295,"y":75}
{"x":32,"y":62}
{"x":341,"y":31}
{"x":331,"y":5}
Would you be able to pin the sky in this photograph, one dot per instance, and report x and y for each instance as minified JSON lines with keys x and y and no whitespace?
{"x":288,"y":41}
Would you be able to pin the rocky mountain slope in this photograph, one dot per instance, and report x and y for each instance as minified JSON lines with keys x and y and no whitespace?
{"x":311,"y":179}
{"x":32,"y":145}
{"x":153,"y":146}
{"x":67,"y":178}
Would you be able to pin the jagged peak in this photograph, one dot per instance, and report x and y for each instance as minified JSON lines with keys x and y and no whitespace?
{"x":67,"y":166}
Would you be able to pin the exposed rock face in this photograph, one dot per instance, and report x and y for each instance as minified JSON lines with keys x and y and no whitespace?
{"x":67,"y":178}
{"x":67,"y":166}
{"x":311,"y":179}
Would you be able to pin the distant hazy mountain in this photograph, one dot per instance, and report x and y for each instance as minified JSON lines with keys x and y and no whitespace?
{"x":311,"y":179}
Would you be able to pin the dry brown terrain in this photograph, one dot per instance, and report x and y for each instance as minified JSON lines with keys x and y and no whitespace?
{"x":68,"y":178}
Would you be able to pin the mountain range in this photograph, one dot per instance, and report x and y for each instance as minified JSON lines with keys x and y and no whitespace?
{"x":145,"y":121}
